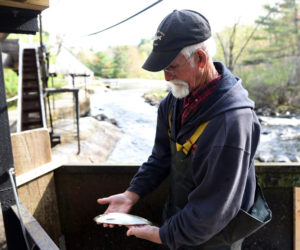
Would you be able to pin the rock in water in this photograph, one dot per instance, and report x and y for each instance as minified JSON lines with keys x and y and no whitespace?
{"x":282,"y":158}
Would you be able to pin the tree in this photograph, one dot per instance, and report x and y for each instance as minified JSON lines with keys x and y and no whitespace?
{"x":283,"y":35}
{"x":145,"y":48}
{"x":120,"y":62}
{"x":101,"y":65}
{"x":281,"y":50}
{"x":233,"y":41}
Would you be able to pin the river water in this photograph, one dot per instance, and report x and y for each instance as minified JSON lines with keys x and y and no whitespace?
{"x":136,"y":119}
{"x":280,"y":138}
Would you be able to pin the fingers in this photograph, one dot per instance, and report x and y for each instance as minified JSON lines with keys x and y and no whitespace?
{"x":130,"y":231}
{"x":135,"y":230}
{"x":146,"y":232}
{"x":103,"y":201}
{"x":108,"y":225}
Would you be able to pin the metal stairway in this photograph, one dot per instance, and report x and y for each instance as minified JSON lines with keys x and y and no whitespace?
{"x":31,"y":102}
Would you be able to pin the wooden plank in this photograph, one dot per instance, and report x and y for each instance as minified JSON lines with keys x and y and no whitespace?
{"x":35,"y":178}
{"x":37,"y":172}
{"x":296,"y":218}
{"x":39,"y":197}
{"x":34,"y":230}
{"x":31,"y":149}
{"x":26,"y":4}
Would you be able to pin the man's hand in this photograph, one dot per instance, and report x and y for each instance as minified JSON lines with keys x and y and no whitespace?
{"x":146,"y":232}
{"x":119,"y":203}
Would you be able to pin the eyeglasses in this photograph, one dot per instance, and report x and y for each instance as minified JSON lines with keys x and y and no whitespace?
{"x":173,"y":73}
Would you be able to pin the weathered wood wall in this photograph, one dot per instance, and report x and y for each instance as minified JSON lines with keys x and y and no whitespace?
{"x":32,"y":155}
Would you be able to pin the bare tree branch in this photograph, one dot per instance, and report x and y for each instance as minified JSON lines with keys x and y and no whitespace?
{"x":223,"y":48}
{"x":231,"y":46}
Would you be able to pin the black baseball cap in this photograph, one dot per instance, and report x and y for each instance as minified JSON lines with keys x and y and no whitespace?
{"x":178,"y":30}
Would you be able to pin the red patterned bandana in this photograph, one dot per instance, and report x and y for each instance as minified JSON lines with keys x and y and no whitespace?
{"x":192,"y":101}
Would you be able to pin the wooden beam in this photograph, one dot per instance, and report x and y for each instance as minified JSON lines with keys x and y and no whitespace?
{"x":37,"y":172}
{"x":18,"y":20}
{"x":296,"y":218}
{"x":26,"y":4}
{"x":40,"y":238}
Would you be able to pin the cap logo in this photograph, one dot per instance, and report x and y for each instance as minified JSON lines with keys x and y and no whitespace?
{"x":158,"y":36}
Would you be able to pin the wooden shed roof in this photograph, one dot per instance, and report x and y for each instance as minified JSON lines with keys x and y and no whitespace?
{"x":26,"y":4}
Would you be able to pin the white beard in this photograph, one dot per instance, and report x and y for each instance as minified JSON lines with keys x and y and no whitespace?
{"x":181,"y":89}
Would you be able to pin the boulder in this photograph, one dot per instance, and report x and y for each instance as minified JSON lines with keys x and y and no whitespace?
{"x":97,"y":141}
{"x":281,"y":158}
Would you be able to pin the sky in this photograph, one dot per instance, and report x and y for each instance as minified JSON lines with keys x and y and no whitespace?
{"x":75,"y":19}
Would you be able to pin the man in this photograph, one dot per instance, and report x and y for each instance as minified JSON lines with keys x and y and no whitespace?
{"x":207,"y":134}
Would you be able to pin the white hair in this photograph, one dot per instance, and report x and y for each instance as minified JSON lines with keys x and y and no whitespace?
{"x":208,"y":46}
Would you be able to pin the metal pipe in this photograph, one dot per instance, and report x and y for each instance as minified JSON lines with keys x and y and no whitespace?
{"x":11,"y":172}
{"x":77,"y":120}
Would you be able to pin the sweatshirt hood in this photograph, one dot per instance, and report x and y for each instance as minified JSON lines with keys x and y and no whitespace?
{"x":228,"y":95}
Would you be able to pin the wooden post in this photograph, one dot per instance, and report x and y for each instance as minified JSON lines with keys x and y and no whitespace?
{"x":296,"y":218}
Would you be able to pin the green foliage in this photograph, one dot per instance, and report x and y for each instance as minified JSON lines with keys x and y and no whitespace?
{"x":120,"y":61}
{"x":234,"y":44}
{"x":31,"y":38}
{"x":266,"y":83}
{"x":154,"y":97}
{"x":145,"y":48}
{"x":101,"y":65}
{"x":269,"y":64}
{"x":160,"y":94}
{"x":11,"y":86}
{"x":254,"y":61}
{"x":57,"y":82}
{"x":11,"y":83}
{"x":282,"y":29}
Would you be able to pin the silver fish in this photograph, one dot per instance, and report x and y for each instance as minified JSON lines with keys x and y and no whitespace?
{"x":121,"y":219}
